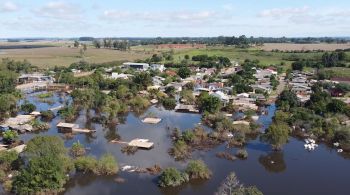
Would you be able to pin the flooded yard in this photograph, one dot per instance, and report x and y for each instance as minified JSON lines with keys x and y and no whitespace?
{"x":291,"y":171}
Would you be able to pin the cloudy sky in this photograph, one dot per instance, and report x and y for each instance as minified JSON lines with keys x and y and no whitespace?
{"x":151,"y":18}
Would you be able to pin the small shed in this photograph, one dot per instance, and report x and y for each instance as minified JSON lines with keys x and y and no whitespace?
{"x":66,"y":127}
{"x":141,"y":143}
{"x":151,"y":120}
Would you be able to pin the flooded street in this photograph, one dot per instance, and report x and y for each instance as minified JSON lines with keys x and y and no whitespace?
{"x":291,"y":171}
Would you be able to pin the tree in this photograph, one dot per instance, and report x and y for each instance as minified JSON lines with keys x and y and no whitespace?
{"x":77,"y":149}
{"x":97,"y":44}
{"x":143,"y":79}
{"x":76,"y":44}
{"x":287,"y":99}
{"x":48,"y":164}
{"x":45,"y":175}
{"x":172,"y":177}
{"x":184,"y":72}
{"x":9,"y":136}
{"x":107,"y":165}
{"x":197,"y":169}
{"x":337,"y":106}
{"x":232,"y":186}
{"x":298,"y":65}
{"x":277,"y":134}
{"x":28,"y":107}
{"x":208,"y":103}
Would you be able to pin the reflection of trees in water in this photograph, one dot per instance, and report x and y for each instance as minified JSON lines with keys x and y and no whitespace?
{"x":112,"y":132}
{"x":273,"y":162}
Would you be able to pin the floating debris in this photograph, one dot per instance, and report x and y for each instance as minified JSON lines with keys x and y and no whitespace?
{"x":340,"y":150}
{"x":310,"y":144}
{"x":151,"y":120}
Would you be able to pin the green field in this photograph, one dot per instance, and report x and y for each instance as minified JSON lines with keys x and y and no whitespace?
{"x":63,"y":55}
{"x":236,"y":54}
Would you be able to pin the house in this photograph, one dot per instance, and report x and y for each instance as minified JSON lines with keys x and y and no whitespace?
{"x":136,"y":66}
{"x":215,"y":86}
{"x":159,"y":67}
{"x":170,"y":73}
{"x":186,"y":108}
{"x":336,"y":92}
{"x":115,"y":75}
{"x":35,"y":77}
{"x":223,"y":97}
{"x":264,"y":87}
{"x":177,"y":86}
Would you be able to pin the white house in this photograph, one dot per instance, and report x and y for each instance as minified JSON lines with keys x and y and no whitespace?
{"x":115,"y":75}
{"x":223,"y":97}
{"x":159,"y":67}
{"x":137,"y":66}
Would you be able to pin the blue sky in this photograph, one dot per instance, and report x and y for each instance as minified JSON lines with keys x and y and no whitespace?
{"x":152,"y":18}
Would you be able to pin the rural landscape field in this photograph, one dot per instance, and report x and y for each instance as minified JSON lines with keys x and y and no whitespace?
{"x":180,"y":97}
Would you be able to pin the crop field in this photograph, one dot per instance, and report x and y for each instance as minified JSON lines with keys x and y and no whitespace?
{"x":304,"y":47}
{"x":64,"y":56}
{"x":58,"y":53}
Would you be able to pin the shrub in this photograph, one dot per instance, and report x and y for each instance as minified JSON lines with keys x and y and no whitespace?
{"x":28,"y":107}
{"x":7,"y":159}
{"x":45,"y":95}
{"x":38,"y":125}
{"x":47,"y":115}
{"x":77,"y":149}
{"x":172,"y":177}
{"x":169,"y":103}
{"x":197,"y":169}
{"x":180,"y":150}
{"x":85,"y":164}
{"x":107,"y":165}
{"x":129,"y":150}
{"x":243,"y":154}
{"x":9,"y":137}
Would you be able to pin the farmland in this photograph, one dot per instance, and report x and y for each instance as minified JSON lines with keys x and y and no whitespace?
{"x":303,"y":47}
{"x":61,"y":53}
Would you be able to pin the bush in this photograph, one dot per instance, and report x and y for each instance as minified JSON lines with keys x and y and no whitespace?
{"x":243,"y":154}
{"x":171,"y":177}
{"x":85,"y":164}
{"x":7,"y":159}
{"x":28,"y":107}
{"x":180,"y":151}
{"x":45,"y":95}
{"x":39,"y":126}
{"x":77,"y":149}
{"x":197,"y":169}
{"x":47,"y":115}
{"x":169,"y":103}
{"x":9,"y":137}
{"x":107,"y":165}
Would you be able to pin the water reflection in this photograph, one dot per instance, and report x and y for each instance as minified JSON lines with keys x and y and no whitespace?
{"x":273,"y":162}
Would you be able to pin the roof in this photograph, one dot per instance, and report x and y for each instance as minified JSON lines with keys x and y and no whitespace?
{"x":151,"y":120}
{"x":141,"y":143}
{"x":67,"y":125}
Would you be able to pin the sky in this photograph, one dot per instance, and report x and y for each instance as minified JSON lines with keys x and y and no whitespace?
{"x":174,"y":18}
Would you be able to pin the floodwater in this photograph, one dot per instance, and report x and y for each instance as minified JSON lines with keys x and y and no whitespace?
{"x":293,"y":171}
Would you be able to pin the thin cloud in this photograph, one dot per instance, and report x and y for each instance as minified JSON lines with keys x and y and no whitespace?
{"x":60,"y":10}
{"x":174,"y":16}
{"x":9,"y":7}
{"x":283,"y":12}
